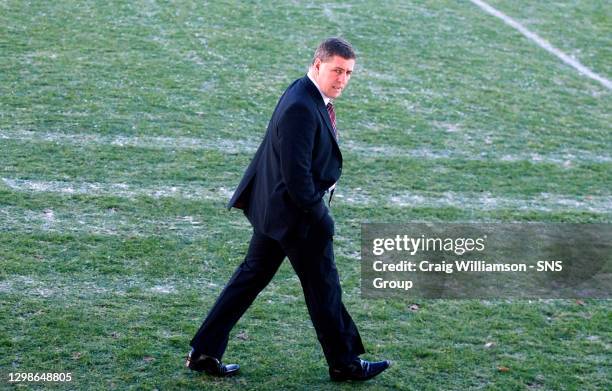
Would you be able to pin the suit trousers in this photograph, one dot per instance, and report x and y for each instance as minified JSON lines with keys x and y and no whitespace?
{"x":313,"y":261}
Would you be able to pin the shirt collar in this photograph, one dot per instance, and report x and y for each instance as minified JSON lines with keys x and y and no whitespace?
{"x":326,"y":100}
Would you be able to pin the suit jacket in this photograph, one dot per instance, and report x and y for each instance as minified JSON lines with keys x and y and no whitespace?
{"x":282,"y":190}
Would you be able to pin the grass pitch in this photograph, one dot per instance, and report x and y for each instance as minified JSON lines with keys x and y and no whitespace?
{"x":125,"y":126}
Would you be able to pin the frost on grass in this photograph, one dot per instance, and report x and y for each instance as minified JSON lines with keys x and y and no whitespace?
{"x":486,"y":201}
{"x":155,"y":142}
{"x":98,"y":223}
{"x":352,"y":196}
{"x":119,"y":189}
{"x":163,"y":289}
{"x":92,"y":287}
{"x":470,"y":149}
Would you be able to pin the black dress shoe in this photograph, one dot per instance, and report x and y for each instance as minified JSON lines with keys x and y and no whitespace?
{"x":359,"y":370}
{"x":212,"y":366}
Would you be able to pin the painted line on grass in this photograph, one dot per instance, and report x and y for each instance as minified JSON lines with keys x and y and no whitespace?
{"x":69,"y":287}
{"x":484,"y":201}
{"x":544,"y":44}
{"x":108,"y":222}
{"x":155,"y":142}
{"x":124,"y":190}
{"x":564,"y":158}
{"x":62,"y":220}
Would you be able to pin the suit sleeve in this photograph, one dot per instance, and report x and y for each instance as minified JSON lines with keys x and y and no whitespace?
{"x":296,"y":130}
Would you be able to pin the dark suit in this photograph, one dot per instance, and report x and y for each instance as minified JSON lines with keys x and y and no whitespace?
{"x":281,"y":194}
{"x":298,"y":160}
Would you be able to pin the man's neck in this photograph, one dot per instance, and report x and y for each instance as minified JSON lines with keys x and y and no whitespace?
{"x":312,"y":79}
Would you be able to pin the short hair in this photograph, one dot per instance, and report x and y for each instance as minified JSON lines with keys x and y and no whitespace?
{"x":334,"y":47}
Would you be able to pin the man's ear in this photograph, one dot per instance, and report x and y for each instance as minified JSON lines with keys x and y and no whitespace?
{"x":317,"y":64}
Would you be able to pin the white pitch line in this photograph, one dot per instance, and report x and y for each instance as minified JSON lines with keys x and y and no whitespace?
{"x":95,"y":288}
{"x":345,"y":195}
{"x":564,"y":158}
{"x":154,"y":142}
{"x":486,"y":201}
{"x":544,"y":44}
{"x":190,"y":192}
{"x":106,"y":222}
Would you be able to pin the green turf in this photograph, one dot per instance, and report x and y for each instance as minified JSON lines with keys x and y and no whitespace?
{"x":579,"y":28}
{"x":124,"y":127}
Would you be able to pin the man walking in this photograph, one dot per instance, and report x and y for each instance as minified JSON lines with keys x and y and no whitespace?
{"x":282,"y":195}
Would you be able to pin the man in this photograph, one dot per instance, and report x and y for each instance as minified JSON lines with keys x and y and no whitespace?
{"x":281,"y":194}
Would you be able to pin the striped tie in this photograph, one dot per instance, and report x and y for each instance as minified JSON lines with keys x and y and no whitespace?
{"x":332,"y":116}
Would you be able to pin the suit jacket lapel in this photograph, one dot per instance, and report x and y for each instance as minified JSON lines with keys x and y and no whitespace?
{"x":316,"y":96}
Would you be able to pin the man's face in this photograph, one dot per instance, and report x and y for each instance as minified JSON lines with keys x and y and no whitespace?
{"x":333,"y":75}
